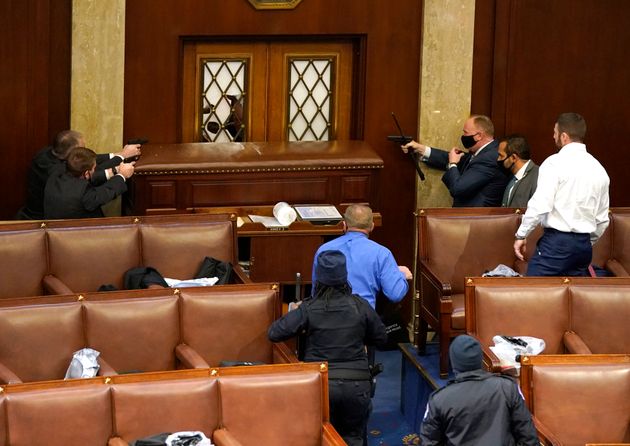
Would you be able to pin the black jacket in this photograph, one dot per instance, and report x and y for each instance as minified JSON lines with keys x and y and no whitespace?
{"x":43,"y":165}
{"x":478,"y":408}
{"x":336,"y":330}
{"x":67,"y":196}
{"x":477,"y":181}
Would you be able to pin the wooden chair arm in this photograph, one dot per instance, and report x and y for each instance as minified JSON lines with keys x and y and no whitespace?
{"x":104,"y":368}
{"x":544,"y":434}
{"x":282,"y":354}
{"x":238,"y":275}
{"x":52,"y":285}
{"x":189,"y":357}
{"x":574,"y":344}
{"x":117,"y":441}
{"x":222,"y":437}
{"x":7,"y":376}
{"x":330,"y":437}
{"x":443,"y":288}
{"x":616,"y":268}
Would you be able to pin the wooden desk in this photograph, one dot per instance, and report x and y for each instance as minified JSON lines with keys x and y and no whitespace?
{"x":276,"y":255}
{"x":172,"y":178}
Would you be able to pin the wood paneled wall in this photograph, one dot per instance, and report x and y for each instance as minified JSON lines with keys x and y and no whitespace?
{"x":390,"y":34}
{"x":34,"y":87}
{"x":535,"y":59}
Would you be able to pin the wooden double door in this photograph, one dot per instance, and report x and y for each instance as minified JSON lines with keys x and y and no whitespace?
{"x":268,"y":91}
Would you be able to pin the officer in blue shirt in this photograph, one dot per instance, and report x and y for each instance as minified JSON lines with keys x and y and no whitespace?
{"x":371,"y":267}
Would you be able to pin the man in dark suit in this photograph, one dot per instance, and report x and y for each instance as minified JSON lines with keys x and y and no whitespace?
{"x":70,"y":192}
{"x":49,"y":158}
{"x":473,"y":178}
{"x":514,"y":161}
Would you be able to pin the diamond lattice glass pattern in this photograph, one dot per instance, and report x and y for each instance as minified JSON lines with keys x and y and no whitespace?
{"x":310,"y":99}
{"x":223,"y":105}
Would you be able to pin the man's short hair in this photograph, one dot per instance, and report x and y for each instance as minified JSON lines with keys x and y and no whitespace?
{"x":64,"y":142}
{"x":484,"y":124}
{"x":573,"y":125}
{"x":359,"y":216}
{"x":79,"y":160}
{"x":516,"y":144}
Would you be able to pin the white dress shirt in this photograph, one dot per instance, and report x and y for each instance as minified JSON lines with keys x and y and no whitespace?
{"x":571,"y":196}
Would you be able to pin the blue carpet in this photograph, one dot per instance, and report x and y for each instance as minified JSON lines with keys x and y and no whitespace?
{"x":387,"y":426}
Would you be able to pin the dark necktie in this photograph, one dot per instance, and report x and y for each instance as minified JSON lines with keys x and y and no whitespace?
{"x":466,"y":162}
{"x":508,"y":190}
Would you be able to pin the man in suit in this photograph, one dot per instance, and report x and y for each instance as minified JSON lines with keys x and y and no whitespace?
{"x":514,"y":161}
{"x":473,"y":177}
{"x":70,"y":192}
{"x":49,"y":158}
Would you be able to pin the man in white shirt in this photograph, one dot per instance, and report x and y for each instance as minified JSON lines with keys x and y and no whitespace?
{"x":515,"y":163}
{"x":570,"y":202}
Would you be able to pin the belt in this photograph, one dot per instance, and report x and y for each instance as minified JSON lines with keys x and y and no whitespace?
{"x":350,"y":374}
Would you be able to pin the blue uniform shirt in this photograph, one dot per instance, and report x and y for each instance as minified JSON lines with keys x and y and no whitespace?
{"x":371,"y":267}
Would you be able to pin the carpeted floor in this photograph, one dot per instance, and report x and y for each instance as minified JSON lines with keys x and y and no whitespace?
{"x":387,"y":426}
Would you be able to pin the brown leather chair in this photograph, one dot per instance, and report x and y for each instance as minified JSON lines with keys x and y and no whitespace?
{"x":59,"y":417}
{"x":85,"y":257}
{"x":576,"y":399}
{"x":147,"y":408}
{"x":599,"y":318}
{"x":231,"y":325}
{"x":538,"y":307}
{"x":134,"y":335}
{"x":619,"y":261}
{"x":39,"y":340}
{"x":275,"y":410}
{"x":23,"y":260}
{"x":454,"y":244}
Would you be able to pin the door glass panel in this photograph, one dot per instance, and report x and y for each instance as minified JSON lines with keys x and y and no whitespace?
{"x":310,"y":99}
{"x":223,"y":105}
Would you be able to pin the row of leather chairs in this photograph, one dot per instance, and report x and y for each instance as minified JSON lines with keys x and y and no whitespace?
{"x":466,"y":242}
{"x":272,"y":405}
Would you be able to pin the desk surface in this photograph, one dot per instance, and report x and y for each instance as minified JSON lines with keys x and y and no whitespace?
{"x":256,"y":157}
{"x":246,"y":227}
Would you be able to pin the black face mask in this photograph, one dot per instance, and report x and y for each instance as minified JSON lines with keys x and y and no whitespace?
{"x":468,"y":141}
{"x":505,"y":170}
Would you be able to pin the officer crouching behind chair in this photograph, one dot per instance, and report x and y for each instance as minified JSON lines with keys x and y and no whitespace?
{"x":477,"y":407}
{"x":337,"y":325}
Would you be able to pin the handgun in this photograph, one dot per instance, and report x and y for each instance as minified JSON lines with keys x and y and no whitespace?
{"x":141,"y":141}
{"x":403,"y":139}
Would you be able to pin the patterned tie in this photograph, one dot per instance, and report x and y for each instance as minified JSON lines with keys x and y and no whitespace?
{"x":508,"y":192}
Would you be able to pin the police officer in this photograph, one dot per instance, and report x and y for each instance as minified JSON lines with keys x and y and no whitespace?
{"x":477,"y":407}
{"x":337,"y":325}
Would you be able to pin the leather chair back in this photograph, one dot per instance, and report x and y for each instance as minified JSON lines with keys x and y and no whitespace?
{"x":600,"y":316}
{"x":60,"y":417}
{"x":464,"y":246}
{"x":3,"y":418}
{"x":137,"y":335}
{"x":621,"y":238}
{"x":38,"y":341}
{"x":147,"y":408}
{"x":585,"y":403}
{"x":86,"y":257}
{"x":230,"y":325}
{"x":522,"y":311}
{"x":254,"y":408}
{"x":22,"y":262}
{"x":177,"y":249}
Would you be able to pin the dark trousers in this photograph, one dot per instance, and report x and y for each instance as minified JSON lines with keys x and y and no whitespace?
{"x":350,"y":408}
{"x":561,"y":254}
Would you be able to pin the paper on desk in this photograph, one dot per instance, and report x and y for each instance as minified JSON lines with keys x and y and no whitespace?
{"x":268,"y":222}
